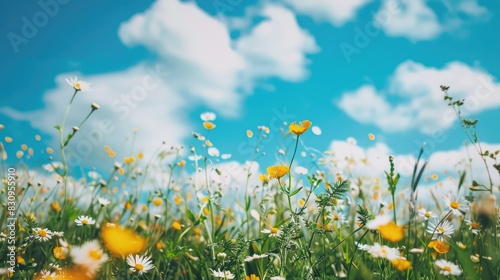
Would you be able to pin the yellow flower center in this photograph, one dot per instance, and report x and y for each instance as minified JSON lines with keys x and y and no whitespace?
{"x":77,"y":86}
{"x":139,"y":266}
{"x":447,"y":268}
{"x":157,"y":202}
{"x":85,"y":222}
{"x":274,"y":230}
{"x":42,"y":232}
{"x":95,"y":254}
{"x":427,"y":214}
{"x":454,"y":205}
{"x":474,"y":225}
{"x":335,"y":217}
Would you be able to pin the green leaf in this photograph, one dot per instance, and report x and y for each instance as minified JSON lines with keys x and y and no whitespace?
{"x":191,"y":216}
{"x":296,"y":191}
{"x":462,"y":180}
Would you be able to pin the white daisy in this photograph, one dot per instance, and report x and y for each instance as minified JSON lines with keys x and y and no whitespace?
{"x":103,"y":201}
{"x":426,"y":214}
{"x":338,"y":218}
{"x":448,"y":268}
{"x":78,"y":85}
{"x":208,"y":117}
{"x":90,"y":256}
{"x":58,"y":233}
{"x":214,"y":152}
{"x":440,"y":230}
{"x":84,"y":220}
{"x":385,"y":252}
{"x":42,"y":234}
{"x":474,"y":227}
{"x":222,"y":274}
{"x":254,"y":257}
{"x":141,"y":264}
{"x":457,"y":205}
{"x":272,"y":232}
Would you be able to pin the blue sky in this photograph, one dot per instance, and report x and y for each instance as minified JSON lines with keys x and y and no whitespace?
{"x":248,"y":62}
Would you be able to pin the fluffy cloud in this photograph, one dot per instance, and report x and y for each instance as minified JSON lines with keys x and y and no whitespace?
{"x":285,"y":57}
{"x":138,"y":98}
{"x":196,"y":47}
{"x":417,"y":21}
{"x":413,"y":99}
{"x":198,"y":64}
{"x":337,"y":12}
{"x":366,"y":163}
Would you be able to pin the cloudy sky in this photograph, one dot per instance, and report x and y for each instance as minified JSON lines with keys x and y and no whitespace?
{"x":351,"y":67}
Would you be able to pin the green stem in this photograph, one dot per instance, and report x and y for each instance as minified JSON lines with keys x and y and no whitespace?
{"x":63,"y":155}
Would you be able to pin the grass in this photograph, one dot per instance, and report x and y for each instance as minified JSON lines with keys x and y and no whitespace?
{"x":178,"y":216}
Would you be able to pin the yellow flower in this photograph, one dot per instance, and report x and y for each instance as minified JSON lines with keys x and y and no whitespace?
{"x":129,"y":159}
{"x":20,"y":260}
{"x":277,"y":171}
{"x":208,"y":125}
{"x":391,"y":232}
{"x":55,"y":206}
{"x":401,"y":264}
{"x":264,"y":178}
{"x":440,"y":247}
{"x":1,"y":126}
{"x":8,"y":139}
{"x":122,"y":241}
{"x":181,"y":163}
{"x":249,"y":133}
{"x":300,"y":128}
{"x":60,"y":253}
{"x":49,"y":150}
{"x":176,"y":225}
{"x":140,"y":155}
{"x":24,"y":147}
{"x":371,"y":136}
{"x":252,"y":277}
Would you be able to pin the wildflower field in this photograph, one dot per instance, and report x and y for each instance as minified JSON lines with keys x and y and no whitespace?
{"x":177,"y":215}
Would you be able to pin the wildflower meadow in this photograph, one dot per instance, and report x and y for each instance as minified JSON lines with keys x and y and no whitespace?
{"x":177,"y":214}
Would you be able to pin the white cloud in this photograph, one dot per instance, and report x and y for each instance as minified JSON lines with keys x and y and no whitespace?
{"x":413,"y":19}
{"x":417,"y":21}
{"x":204,"y":68}
{"x":413,"y":99}
{"x":276,"y":47}
{"x":207,"y":63}
{"x":138,"y":97}
{"x":196,"y":47}
{"x":364,"y":164}
{"x":337,"y":12}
